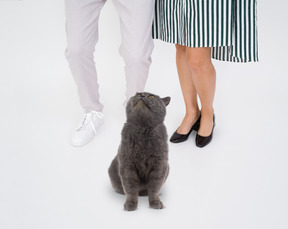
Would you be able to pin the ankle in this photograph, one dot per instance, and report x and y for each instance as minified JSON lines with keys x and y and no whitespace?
{"x":192,"y":113}
{"x":207,"y":111}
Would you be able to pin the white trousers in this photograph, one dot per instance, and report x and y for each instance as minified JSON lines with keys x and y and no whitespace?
{"x":136,"y":17}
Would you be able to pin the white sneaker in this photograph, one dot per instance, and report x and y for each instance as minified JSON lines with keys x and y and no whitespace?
{"x":87,"y":130}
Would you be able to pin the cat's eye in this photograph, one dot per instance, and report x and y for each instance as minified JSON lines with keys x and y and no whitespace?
{"x":152,"y":96}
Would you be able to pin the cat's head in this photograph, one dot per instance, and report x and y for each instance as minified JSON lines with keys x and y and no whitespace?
{"x":147,"y":108}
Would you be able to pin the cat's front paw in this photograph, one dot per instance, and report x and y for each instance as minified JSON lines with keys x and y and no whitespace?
{"x":156,"y":204}
{"x":130,"y":206}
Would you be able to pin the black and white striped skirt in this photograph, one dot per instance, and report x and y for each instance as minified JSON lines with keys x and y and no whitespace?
{"x":228,"y":26}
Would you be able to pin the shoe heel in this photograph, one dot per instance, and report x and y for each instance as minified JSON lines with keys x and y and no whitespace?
{"x":196,"y":128}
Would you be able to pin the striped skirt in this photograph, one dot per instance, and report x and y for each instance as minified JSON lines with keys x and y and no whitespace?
{"x":228,"y":26}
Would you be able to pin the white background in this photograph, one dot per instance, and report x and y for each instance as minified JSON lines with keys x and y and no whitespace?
{"x":238,"y":181}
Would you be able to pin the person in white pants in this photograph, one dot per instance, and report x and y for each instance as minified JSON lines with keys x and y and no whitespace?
{"x":136,"y":17}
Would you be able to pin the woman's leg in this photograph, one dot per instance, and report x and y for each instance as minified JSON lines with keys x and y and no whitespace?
{"x":204,"y":78}
{"x":188,"y":90}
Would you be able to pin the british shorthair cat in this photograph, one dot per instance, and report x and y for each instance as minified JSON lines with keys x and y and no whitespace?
{"x":141,"y":164}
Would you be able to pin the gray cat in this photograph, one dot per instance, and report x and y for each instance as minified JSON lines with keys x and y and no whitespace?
{"x":141,"y":165}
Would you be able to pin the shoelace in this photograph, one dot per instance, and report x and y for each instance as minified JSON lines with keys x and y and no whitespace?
{"x":88,"y":117}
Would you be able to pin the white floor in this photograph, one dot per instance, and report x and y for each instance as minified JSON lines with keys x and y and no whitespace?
{"x":238,"y":181}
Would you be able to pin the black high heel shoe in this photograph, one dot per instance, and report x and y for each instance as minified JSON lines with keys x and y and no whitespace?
{"x":177,"y":138}
{"x":204,"y":141}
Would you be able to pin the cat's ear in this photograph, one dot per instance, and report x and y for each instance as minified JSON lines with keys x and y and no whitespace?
{"x":166,"y":100}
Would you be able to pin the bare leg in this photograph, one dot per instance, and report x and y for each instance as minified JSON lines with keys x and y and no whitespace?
{"x":204,"y":78}
{"x":188,"y":90}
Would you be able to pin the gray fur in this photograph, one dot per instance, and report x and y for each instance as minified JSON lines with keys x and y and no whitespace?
{"x":141,"y":165}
